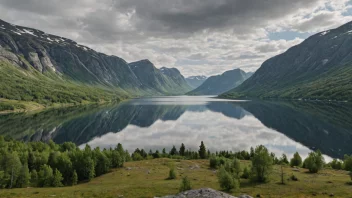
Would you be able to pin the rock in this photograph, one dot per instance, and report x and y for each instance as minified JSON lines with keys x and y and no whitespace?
{"x":128,"y":168}
{"x":245,"y":196}
{"x":295,"y":169}
{"x":204,"y":193}
{"x":331,"y":195}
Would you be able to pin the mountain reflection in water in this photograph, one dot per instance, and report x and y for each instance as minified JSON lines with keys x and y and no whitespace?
{"x":161,"y":122}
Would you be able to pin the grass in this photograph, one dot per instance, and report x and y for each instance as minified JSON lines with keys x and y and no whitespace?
{"x":149,"y":179}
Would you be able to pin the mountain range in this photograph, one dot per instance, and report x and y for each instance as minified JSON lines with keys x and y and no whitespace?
{"x":195,"y":81}
{"x":320,"y":68}
{"x":43,"y":67}
{"x":219,"y":84}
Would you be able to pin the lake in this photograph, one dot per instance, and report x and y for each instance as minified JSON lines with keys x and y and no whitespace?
{"x":161,"y":122}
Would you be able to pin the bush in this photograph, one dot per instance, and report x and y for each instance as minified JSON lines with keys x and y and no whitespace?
{"x":348,"y":162}
{"x":245,"y":174}
{"x":213,"y":161}
{"x":172,"y":173}
{"x":314,"y":162}
{"x":296,"y":160}
{"x":226,"y":180}
{"x":293,"y":178}
{"x":262,"y":164}
{"x":185,"y":184}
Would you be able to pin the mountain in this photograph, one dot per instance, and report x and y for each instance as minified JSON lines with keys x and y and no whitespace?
{"x":195,"y":81}
{"x":318,"y":68}
{"x":219,"y":84}
{"x":165,"y":80}
{"x":36,"y":66}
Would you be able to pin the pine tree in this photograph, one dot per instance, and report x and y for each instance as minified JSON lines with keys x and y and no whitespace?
{"x":296,"y":160}
{"x":182,"y":150}
{"x":202,"y":151}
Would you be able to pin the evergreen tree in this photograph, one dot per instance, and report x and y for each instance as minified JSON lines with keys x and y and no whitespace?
{"x":182,"y":150}
{"x":296,"y":160}
{"x":173,"y":151}
{"x":202,"y":151}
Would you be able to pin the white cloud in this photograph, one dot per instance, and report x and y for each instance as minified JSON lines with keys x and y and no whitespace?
{"x":196,"y":36}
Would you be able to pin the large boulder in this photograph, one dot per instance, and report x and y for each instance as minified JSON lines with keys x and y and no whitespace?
{"x":204,"y":193}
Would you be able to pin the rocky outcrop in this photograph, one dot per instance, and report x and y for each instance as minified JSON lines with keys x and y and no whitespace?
{"x":204,"y":193}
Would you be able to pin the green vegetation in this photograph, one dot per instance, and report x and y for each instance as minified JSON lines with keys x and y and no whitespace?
{"x":52,"y":165}
{"x":314,"y":162}
{"x":172,"y":173}
{"x":30,"y":85}
{"x":261,"y":165}
{"x":186,"y":184}
{"x":37,"y":164}
{"x":296,"y":160}
{"x":334,"y":84}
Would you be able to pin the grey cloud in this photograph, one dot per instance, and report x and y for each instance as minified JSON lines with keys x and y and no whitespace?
{"x":266,"y":48}
{"x":316,"y":22}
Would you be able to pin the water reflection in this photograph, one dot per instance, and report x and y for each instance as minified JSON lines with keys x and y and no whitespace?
{"x":156,"y":123}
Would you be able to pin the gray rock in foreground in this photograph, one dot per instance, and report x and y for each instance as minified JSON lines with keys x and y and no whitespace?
{"x":204,"y":193}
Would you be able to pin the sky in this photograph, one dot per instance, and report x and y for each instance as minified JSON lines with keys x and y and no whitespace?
{"x":198,"y":37}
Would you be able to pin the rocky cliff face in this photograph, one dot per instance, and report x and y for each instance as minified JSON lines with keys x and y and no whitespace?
{"x":53,"y":54}
{"x":318,"y":68}
{"x":219,"y":84}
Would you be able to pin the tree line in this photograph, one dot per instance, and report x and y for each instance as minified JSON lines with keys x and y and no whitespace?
{"x":39,"y":164}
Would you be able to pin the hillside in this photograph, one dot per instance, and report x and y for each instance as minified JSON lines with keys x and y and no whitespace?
{"x":318,"y":68}
{"x":196,"y":81}
{"x":166,"y":81}
{"x":219,"y":84}
{"x":63,"y":67}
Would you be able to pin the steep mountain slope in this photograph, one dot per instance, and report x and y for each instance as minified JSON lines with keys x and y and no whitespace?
{"x":196,"y":81}
{"x":318,"y":68}
{"x":165,"y":80}
{"x":219,"y":84}
{"x":38,"y":56}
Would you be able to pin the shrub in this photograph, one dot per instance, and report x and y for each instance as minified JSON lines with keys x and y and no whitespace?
{"x":314,"y":162}
{"x":213,"y":161}
{"x":245,"y":174}
{"x":226,"y":180}
{"x":172,"y":173}
{"x":296,"y":160}
{"x":348,"y":162}
{"x":293,"y":178}
{"x":185,"y":184}
{"x":261,"y":164}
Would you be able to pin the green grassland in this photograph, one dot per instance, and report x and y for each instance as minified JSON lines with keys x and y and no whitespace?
{"x":27,"y":89}
{"x":148,"y":178}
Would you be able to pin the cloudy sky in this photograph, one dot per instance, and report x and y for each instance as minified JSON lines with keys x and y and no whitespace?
{"x":199,"y":37}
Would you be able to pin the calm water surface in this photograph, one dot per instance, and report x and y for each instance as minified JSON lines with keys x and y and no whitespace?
{"x":161,"y":122}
